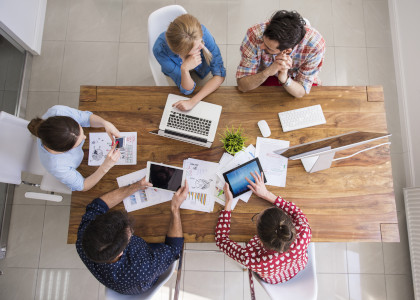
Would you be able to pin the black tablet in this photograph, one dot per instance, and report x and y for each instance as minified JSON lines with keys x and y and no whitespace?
{"x":236,"y":177}
{"x":165,"y":177}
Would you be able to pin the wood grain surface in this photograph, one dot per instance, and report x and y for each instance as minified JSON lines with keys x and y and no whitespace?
{"x":352,"y":201}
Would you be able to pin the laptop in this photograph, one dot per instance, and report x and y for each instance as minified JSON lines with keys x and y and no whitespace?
{"x":197,"y":126}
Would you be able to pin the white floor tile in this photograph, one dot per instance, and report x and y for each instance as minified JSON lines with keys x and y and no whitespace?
{"x":348,"y":24}
{"x":232,"y":266}
{"x":55,"y":252}
{"x":396,"y":255}
{"x":89,"y":63}
{"x":376,"y":18}
{"x":244,"y":14}
{"x":56,"y":18}
{"x":234,"y":285}
{"x":367,"y":287}
{"x":202,"y":246}
{"x":365,"y":258}
{"x":25,"y":234}
{"x":66,"y":284}
{"x":204,"y":261}
{"x":333,"y":286}
{"x":46,"y":68}
{"x":39,"y":103}
{"x":19,"y":196}
{"x":216,"y":23}
{"x":134,"y":18}
{"x":232,"y":62}
{"x":399,"y":287}
{"x":133,"y":65}
{"x":351,"y":66}
{"x":203,"y":285}
{"x":69,"y":99}
{"x":331,"y":257}
{"x":94,"y":20}
{"x":18,"y":283}
{"x":327,"y":73}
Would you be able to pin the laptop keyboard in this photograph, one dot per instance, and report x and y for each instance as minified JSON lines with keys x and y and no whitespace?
{"x":189,"y":123}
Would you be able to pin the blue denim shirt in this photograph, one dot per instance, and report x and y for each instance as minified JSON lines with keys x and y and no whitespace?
{"x":171,"y":62}
{"x":141,"y":263}
{"x":63,"y":165}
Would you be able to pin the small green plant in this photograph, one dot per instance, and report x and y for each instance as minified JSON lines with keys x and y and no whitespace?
{"x":233,"y":140}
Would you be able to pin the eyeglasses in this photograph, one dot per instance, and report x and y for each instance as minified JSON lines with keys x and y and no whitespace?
{"x":253,"y":219}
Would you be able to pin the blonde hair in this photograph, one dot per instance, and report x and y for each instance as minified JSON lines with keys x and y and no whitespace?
{"x":182,"y":33}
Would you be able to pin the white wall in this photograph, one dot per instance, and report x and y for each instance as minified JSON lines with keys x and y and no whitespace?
{"x":23,"y":20}
{"x":404,"y":18}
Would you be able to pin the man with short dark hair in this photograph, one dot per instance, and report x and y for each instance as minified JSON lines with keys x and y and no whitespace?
{"x":120,"y":260}
{"x":281,"y":51}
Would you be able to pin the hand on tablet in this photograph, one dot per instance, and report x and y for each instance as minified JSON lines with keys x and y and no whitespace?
{"x":258,"y":187}
{"x":228,"y":197}
{"x":143,"y":183}
{"x":180,"y":196}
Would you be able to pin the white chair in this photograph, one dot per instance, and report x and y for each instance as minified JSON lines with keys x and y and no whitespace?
{"x":301,"y":287}
{"x":18,"y":152}
{"x":113,"y":295}
{"x":158,"y":22}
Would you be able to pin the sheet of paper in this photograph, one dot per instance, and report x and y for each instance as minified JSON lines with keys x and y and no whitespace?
{"x":138,"y":200}
{"x":274,"y":165}
{"x":100,"y":144}
{"x":201,"y":178}
{"x":157,"y":196}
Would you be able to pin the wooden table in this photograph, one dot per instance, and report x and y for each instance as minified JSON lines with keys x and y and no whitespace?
{"x":352,"y":201}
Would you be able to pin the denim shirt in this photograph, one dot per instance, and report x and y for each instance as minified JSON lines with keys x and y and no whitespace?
{"x":63,"y":165}
{"x":171,"y":62}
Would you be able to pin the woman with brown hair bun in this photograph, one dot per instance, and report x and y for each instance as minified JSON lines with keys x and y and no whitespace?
{"x":188,"y":46}
{"x":279,"y":250}
{"x":60,"y":139}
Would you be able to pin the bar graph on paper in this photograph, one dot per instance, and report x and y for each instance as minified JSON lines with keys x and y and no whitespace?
{"x":197,"y":198}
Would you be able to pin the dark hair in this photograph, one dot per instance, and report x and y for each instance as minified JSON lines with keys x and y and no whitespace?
{"x":276,"y":230}
{"x":106,"y":236}
{"x":287,"y":28}
{"x":59,"y":133}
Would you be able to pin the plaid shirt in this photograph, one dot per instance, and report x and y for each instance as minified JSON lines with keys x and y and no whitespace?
{"x":307,"y":56}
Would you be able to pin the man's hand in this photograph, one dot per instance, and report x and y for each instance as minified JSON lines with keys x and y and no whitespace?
{"x":185,"y":104}
{"x":285,"y":63}
{"x":111,"y":130}
{"x":273,"y":69}
{"x":228,"y":197}
{"x":179,"y":197}
{"x":111,"y":159}
{"x":191,"y":61}
{"x":142,"y":184}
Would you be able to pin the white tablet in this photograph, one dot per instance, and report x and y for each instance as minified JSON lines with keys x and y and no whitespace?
{"x":165,"y":177}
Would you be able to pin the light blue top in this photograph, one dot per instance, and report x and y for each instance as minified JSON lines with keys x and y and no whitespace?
{"x":171,"y":62}
{"x":63,"y":166}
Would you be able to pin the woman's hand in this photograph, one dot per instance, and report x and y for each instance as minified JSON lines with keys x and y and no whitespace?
{"x":185,"y":104}
{"x":191,"y":61}
{"x":111,"y":158}
{"x":111,"y":130}
{"x":228,"y":197}
{"x":258,"y":187}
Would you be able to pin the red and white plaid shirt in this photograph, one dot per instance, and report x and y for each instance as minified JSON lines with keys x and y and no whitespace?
{"x":307,"y":56}
{"x":272,"y":266}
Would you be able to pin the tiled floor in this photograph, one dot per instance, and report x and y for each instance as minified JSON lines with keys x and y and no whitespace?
{"x":104,"y":42}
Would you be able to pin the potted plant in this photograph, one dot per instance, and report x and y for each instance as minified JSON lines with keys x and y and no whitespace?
{"x":233,"y":140}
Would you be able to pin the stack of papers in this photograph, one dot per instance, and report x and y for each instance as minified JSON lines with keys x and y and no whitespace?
{"x":100,"y":144}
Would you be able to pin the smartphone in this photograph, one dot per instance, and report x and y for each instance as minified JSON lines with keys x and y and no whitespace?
{"x":120,"y":142}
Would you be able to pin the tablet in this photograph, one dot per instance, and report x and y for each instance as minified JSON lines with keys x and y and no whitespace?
{"x":165,"y":177}
{"x":236,"y":177}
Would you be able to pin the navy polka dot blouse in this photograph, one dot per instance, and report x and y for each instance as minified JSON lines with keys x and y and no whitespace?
{"x":141,"y":263}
